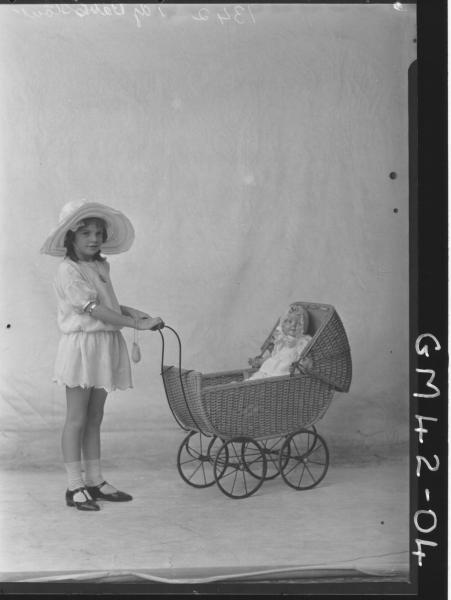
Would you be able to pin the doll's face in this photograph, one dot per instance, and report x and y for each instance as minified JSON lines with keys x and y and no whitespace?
{"x":292,"y":325}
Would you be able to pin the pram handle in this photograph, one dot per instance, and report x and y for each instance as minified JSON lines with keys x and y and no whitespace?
{"x":160,"y":327}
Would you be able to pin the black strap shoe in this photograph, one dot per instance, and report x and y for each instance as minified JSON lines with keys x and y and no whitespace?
{"x":116,"y":496}
{"x":87,"y":504}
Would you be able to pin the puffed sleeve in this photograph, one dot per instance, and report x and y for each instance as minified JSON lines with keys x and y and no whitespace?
{"x":74,"y":288}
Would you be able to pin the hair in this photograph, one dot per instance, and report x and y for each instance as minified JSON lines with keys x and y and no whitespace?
{"x":70,"y":238}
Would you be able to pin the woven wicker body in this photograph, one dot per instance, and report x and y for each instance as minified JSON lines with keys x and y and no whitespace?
{"x":224,"y":405}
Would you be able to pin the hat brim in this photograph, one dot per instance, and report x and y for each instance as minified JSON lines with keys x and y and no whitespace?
{"x":120,"y":231}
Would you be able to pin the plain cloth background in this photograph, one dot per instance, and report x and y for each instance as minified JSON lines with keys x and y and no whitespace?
{"x":253,"y":156}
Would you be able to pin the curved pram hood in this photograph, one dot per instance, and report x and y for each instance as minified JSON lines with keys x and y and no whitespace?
{"x":329,"y":347}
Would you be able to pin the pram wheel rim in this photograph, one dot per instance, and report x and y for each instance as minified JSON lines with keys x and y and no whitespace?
{"x":227,"y":478}
{"x":197,"y":468}
{"x":272,"y":452}
{"x":308,"y":456}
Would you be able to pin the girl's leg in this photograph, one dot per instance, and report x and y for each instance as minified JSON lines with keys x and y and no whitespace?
{"x":91,"y":448}
{"x":77,"y":401}
{"x":91,"y":435}
{"x":91,"y":445}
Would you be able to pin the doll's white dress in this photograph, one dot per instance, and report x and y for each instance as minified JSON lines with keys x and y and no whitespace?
{"x":90,"y":353}
{"x":282,"y":357}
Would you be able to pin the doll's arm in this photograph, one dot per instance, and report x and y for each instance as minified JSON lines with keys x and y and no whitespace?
{"x":257,"y":361}
{"x":305,"y":364}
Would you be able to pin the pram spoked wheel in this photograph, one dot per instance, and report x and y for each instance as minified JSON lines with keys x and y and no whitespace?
{"x":304,"y":459}
{"x":206,"y":404}
{"x":232,"y":467}
{"x":271,"y":449}
{"x":195,"y":459}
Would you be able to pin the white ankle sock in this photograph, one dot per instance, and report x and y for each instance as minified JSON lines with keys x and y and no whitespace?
{"x":93,"y":476}
{"x":93,"y":472}
{"x":74,"y":477}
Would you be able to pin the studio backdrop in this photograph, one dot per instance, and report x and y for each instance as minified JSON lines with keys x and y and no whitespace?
{"x":261,"y":163}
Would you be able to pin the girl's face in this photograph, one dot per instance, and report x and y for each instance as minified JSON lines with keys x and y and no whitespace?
{"x":291,"y":325}
{"x":88,"y":239}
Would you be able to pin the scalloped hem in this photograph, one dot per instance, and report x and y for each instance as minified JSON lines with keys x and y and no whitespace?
{"x":98,"y":387}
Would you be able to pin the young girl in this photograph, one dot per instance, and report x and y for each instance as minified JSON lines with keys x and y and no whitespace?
{"x":290,"y":340}
{"x":92,"y":357}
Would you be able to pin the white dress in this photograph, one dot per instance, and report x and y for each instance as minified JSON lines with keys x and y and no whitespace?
{"x":90,"y":353}
{"x":282,"y":357}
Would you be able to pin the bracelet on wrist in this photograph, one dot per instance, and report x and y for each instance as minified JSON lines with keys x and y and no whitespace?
{"x":90,"y":307}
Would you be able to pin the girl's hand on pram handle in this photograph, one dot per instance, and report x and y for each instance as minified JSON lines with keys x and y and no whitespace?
{"x":159,"y":324}
{"x":152,"y":323}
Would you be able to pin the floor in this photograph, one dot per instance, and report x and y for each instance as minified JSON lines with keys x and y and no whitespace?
{"x":356,"y":518}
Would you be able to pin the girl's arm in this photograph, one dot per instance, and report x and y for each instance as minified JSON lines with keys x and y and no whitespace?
{"x":113,"y":318}
{"x":133,"y":312}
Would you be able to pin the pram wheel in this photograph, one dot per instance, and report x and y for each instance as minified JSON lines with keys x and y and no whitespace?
{"x":231,"y":467}
{"x":195,"y":459}
{"x":304,"y":459}
{"x":271,"y":449}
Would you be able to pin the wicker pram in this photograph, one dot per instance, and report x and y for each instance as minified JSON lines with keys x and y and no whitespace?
{"x":242,"y":433}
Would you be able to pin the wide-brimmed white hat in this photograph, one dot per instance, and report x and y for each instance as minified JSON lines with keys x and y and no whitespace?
{"x":119,"y":228}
